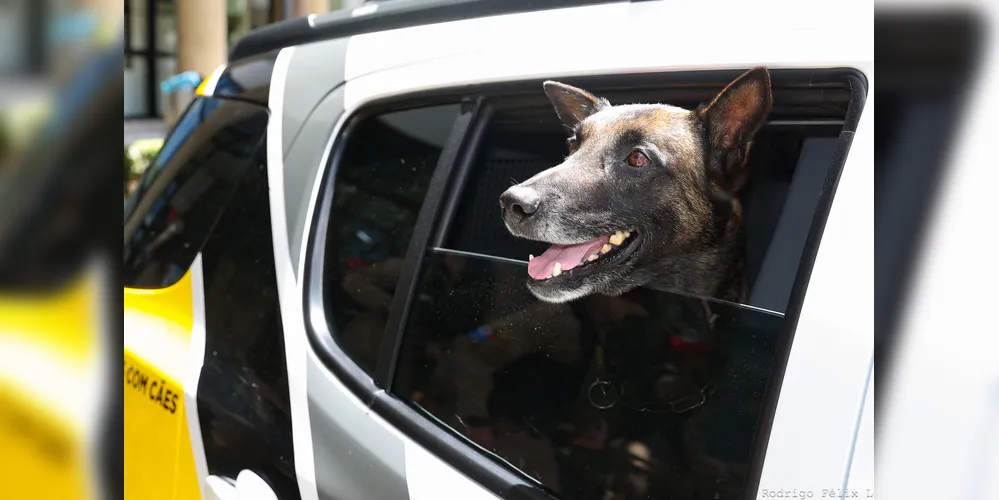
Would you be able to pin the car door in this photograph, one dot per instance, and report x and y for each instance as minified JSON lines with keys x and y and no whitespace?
{"x":402,"y":221}
{"x":206,"y":403}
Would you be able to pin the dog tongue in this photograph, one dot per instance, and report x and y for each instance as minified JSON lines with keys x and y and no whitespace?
{"x":568,"y":255}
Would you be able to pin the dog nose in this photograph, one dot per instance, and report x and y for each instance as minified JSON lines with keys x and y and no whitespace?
{"x":521,"y":201}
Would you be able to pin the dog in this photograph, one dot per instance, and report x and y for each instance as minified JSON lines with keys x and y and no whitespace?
{"x":646,"y":197}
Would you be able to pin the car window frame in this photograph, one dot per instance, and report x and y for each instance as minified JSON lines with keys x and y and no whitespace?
{"x":436,"y":215}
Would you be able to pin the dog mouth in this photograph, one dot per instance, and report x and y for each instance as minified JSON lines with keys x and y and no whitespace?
{"x":571,"y":260}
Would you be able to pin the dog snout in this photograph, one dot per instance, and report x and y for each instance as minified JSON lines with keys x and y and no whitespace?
{"x":519,"y":202}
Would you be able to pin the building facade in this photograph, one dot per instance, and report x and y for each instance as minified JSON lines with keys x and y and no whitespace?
{"x":167,"y":37}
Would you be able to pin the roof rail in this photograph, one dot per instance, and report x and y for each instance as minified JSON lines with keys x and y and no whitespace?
{"x":381,"y":16}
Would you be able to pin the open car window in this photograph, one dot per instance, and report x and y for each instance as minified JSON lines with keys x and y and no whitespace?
{"x":650,"y":394}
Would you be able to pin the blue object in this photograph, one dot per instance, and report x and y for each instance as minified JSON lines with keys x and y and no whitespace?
{"x":187,"y":78}
{"x":481,"y":334}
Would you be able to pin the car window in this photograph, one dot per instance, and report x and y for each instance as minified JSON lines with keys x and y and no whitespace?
{"x":182,"y":195}
{"x":787,"y":168}
{"x":565,"y":393}
{"x":649,"y":394}
{"x":379,"y":187}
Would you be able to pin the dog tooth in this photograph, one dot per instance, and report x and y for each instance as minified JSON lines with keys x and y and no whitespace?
{"x":592,"y":257}
{"x":558,"y":269}
{"x":606,"y":248}
{"x":530,"y":257}
{"x":617,"y":238}
{"x":627,"y":234}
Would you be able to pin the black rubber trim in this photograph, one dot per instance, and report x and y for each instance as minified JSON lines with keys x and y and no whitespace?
{"x":453,"y":194}
{"x":274,"y":36}
{"x":462,"y":455}
{"x":317,"y":327}
{"x":454,"y":154}
{"x":250,"y":85}
{"x":819,"y":83}
{"x":782,"y":352}
{"x":387,"y":16}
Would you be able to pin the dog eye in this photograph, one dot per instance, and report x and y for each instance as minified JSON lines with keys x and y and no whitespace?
{"x":638,"y":159}
{"x":572,"y":143}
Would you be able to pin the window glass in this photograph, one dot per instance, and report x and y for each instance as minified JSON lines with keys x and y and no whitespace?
{"x":645,"y":395}
{"x":379,"y":189}
{"x":182,"y":194}
{"x":243,"y":405}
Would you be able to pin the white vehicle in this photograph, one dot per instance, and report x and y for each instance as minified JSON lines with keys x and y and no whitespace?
{"x":324,"y":218}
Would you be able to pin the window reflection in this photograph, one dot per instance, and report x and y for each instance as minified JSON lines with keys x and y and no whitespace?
{"x":380,"y":186}
{"x":181,"y":196}
{"x":647,"y":395}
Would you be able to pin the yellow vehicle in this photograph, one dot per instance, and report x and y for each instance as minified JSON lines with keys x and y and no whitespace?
{"x":51,"y":390}
{"x":60,"y":403}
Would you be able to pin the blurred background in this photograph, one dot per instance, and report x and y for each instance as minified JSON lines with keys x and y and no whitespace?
{"x":937,"y":369}
{"x":66,"y":68}
{"x":156,"y":47}
{"x":164,"y":38}
{"x":42,"y":43}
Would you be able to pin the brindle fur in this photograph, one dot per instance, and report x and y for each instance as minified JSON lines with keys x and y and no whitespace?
{"x":683,"y":206}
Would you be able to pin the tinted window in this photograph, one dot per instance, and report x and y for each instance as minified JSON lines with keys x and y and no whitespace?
{"x":647,"y":395}
{"x":243,"y":404}
{"x":379,"y":189}
{"x":182,"y":194}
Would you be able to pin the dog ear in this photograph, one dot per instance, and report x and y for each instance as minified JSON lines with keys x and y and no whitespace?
{"x":731,"y":120}
{"x":572,"y":105}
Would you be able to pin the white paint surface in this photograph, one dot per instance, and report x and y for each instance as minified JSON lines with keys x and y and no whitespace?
{"x":289,"y":291}
{"x":938,"y":428}
{"x":196,"y":361}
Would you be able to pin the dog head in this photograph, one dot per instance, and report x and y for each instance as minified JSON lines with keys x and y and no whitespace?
{"x":641,"y":187}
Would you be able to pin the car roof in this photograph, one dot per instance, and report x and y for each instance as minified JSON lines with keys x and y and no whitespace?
{"x":380,"y":16}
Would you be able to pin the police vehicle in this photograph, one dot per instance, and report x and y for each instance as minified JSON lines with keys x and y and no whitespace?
{"x":321,"y":301}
